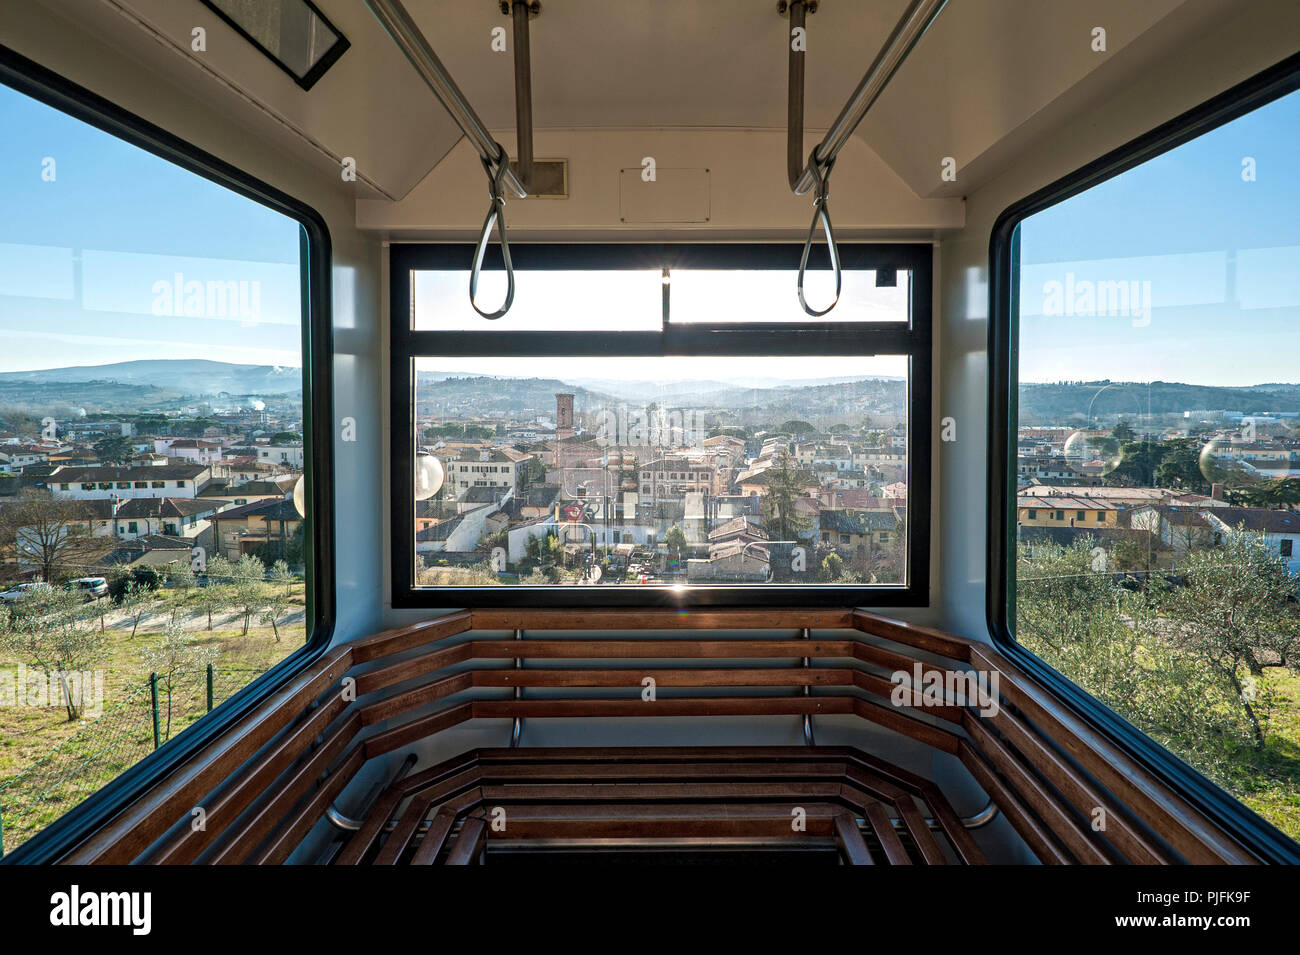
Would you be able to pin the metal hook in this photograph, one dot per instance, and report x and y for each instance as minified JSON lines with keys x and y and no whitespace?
{"x":821,"y":211}
{"x":495,"y":216}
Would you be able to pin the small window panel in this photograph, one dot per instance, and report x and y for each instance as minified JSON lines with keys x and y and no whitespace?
{"x":294,"y":34}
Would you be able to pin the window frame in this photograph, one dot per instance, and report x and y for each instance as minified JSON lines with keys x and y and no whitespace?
{"x":31,"y":79}
{"x":319,"y":68}
{"x":1003,"y":419}
{"x":912,"y":339}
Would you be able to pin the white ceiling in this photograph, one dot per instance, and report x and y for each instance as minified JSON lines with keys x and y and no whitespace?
{"x":990,"y":78}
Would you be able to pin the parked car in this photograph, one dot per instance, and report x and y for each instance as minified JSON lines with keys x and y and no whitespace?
{"x":22,"y":590}
{"x":93,"y":588}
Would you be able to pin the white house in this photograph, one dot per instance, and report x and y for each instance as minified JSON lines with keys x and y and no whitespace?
{"x":282,"y":455}
{"x":88,"y":483}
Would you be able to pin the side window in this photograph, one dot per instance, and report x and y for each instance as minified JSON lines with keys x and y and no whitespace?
{"x":142,"y":307}
{"x":1155,"y":323}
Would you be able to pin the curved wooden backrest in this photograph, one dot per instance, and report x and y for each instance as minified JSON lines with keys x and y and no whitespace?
{"x":1072,"y":794}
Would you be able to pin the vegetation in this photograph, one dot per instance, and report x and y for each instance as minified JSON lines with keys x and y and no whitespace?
{"x":1207,"y":664}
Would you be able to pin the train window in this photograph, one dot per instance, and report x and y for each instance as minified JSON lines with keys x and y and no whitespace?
{"x":1153,"y":316}
{"x":604,"y":452}
{"x":154,"y":337}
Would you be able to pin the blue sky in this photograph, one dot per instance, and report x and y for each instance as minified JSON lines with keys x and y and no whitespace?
{"x":134,"y":228}
{"x":124,"y":255}
{"x":1216,"y":258}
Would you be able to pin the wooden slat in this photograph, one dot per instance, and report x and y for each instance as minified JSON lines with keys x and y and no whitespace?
{"x":754,"y":676}
{"x":1190,"y":833}
{"x":891,"y":718}
{"x":884,"y":830}
{"x":404,"y":702}
{"x":395,"y":673}
{"x":666,"y":619}
{"x":134,"y":829}
{"x":434,"y":839}
{"x":406,"y":733}
{"x":415,"y":812}
{"x":1026,"y":823}
{"x":222,"y":810}
{"x":660,"y":649}
{"x":469,"y":843}
{"x":850,"y":840}
{"x":912,"y":635}
{"x":1080,"y":790}
{"x":697,"y":706}
{"x":296,"y":827}
{"x":238,"y":843}
{"x":404,"y":638}
{"x":1045,"y":804}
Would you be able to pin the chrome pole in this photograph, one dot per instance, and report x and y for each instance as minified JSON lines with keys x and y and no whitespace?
{"x":397,"y":23}
{"x":917,"y":19}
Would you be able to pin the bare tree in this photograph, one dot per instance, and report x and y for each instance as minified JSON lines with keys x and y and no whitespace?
{"x":52,"y":533}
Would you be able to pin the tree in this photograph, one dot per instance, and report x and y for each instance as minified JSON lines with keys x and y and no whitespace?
{"x":50,"y":629}
{"x":52,"y":533}
{"x":784,"y":488}
{"x":832,"y":567}
{"x":1180,"y":466}
{"x":176,"y":655}
{"x":675,"y":541}
{"x":277,"y":599}
{"x":1236,"y":613}
{"x":286,"y":437}
{"x":795,"y":427}
{"x":214,"y":597}
{"x":1122,"y":432}
{"x":249,"y":574}
{"x":115,"y":449}
{"x":181,"y":576}
{"x":134,"y":602}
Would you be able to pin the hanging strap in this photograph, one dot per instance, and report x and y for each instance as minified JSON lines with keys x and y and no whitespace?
{"x":495,"y":216}
{"x":821,"y":212}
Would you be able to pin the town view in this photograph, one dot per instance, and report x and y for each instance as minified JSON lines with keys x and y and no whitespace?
{"x":652,"y":478}
{"x":1158,"y":566}
{"x":151,"y":562}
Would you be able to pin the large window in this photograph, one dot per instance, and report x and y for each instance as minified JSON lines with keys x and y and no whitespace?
{"x":661,"y":425}
{"x":1147,"y":322}
{"x":160,"y":553}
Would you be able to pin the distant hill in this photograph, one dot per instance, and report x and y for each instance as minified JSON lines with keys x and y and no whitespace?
{"x":442,"y":394}
{"x":1059,"y":400}
{"x":190,"y":376}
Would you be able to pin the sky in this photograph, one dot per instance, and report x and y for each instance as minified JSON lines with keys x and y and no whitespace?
{"x":108,"y":253}
{"x":97,"y":235}
{"x":1214,"y":261}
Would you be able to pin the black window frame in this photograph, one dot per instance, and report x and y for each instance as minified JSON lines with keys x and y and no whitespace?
{"x":911,"y":338}
{"x":30,"y":78}
{"x":1003,"y":420}
{"x":319,"y":68}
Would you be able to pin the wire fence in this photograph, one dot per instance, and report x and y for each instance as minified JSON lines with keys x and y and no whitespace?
{"x":150,"y":715}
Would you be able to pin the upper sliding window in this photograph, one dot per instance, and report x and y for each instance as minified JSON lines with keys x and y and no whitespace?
{"x":1153,"y":513}
{"x":660,"y":425}
{"x":159,"y":551}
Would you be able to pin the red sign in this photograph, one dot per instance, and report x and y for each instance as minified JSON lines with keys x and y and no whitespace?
{"x":573,"y":512}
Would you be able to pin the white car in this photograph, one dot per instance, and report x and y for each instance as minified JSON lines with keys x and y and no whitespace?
{"x":21,"y":591}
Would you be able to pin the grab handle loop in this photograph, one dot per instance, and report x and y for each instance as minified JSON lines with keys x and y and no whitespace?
{"x":822,"y":213}
{"x":495,"y":216}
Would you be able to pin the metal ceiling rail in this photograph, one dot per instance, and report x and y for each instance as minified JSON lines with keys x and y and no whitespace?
{"x":815,"y":174}
{"x":397,"y":23}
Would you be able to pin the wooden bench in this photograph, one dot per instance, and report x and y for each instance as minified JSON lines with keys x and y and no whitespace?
{"x":1072,"y":794}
